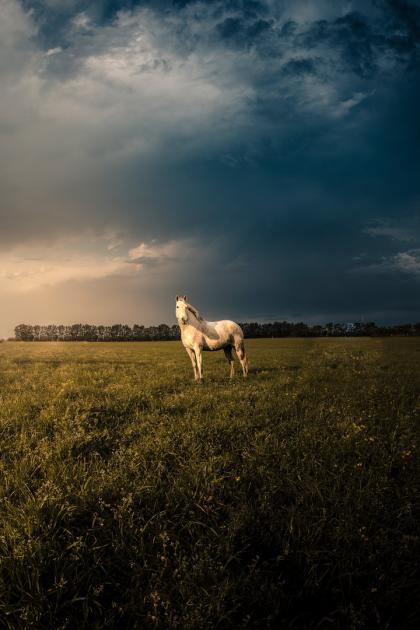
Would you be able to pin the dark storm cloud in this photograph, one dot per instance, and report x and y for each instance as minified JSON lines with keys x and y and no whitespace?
{"x":389,"y":24}
{"x":297,"y":67}
{"x":275,"y":135}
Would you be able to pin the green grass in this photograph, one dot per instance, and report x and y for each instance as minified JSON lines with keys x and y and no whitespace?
{"x":132,"y":497}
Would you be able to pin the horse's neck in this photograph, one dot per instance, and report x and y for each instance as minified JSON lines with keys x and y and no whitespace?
{"x":200,"y":324}
{"x":192,"y":322}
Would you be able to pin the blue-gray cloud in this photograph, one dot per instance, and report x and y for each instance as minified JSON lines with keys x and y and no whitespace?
{"x":274,"y":133}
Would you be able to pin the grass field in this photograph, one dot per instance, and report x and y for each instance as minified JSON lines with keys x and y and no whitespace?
{"x":132,"y":497}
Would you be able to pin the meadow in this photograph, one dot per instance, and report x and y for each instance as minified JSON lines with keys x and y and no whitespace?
{"x":132,"y":497}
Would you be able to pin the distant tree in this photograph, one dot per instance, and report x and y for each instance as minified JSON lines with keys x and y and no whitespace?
{"x":123,"y":332}
{"x":163,"y":331}
{"x":301,"y":330}
{"x":138,"y":332}
{"x":370,"y":329}
{"x":329,"y":328}
{"x":403,"y":329}
{"x":23,"y":332}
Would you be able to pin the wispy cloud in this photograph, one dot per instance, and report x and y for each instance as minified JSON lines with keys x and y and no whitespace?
{"x":394,"y":232}
{"x":155,"y":253}
{"x":344,"y":107}
{"x":28,"y":269}
{"x":407,"y":263}
{"x":54,"y":51}
{"x":78,"y":260}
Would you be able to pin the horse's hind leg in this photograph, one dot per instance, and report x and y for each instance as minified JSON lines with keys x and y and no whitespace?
{"x":240,"y":351}
{"x":191,"y":354}
{"x":229,"y":358}
{"x":199,"y":359}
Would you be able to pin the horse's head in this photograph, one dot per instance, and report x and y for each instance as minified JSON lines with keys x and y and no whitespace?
{"x":181,"y":309}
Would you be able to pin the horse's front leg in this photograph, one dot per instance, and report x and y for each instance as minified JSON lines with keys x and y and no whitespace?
{"x":191,"y":354}
{"x":199,"y":359}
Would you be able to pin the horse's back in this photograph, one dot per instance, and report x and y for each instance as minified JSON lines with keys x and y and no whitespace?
{"x":230,"y":331}
{"x":229,"y":325}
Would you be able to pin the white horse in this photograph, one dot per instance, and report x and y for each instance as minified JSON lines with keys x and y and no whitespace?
{"x":198,"y":335}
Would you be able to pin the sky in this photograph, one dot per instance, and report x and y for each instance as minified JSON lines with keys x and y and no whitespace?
{"x":259,"y":156}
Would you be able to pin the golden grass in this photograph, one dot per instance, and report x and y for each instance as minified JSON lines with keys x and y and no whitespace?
{"x":131,"y":496}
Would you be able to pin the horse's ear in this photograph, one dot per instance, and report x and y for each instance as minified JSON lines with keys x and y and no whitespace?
{"x":177,"y":298}
{"x":185,"y":298}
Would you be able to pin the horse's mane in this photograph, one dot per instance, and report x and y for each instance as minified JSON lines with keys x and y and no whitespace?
{"x":195,"y":312}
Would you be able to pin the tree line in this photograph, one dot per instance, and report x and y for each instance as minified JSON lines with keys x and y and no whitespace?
{"x":163,"y":332}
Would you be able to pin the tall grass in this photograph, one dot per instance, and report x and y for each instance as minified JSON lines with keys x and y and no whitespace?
{"x":131,"y":497}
